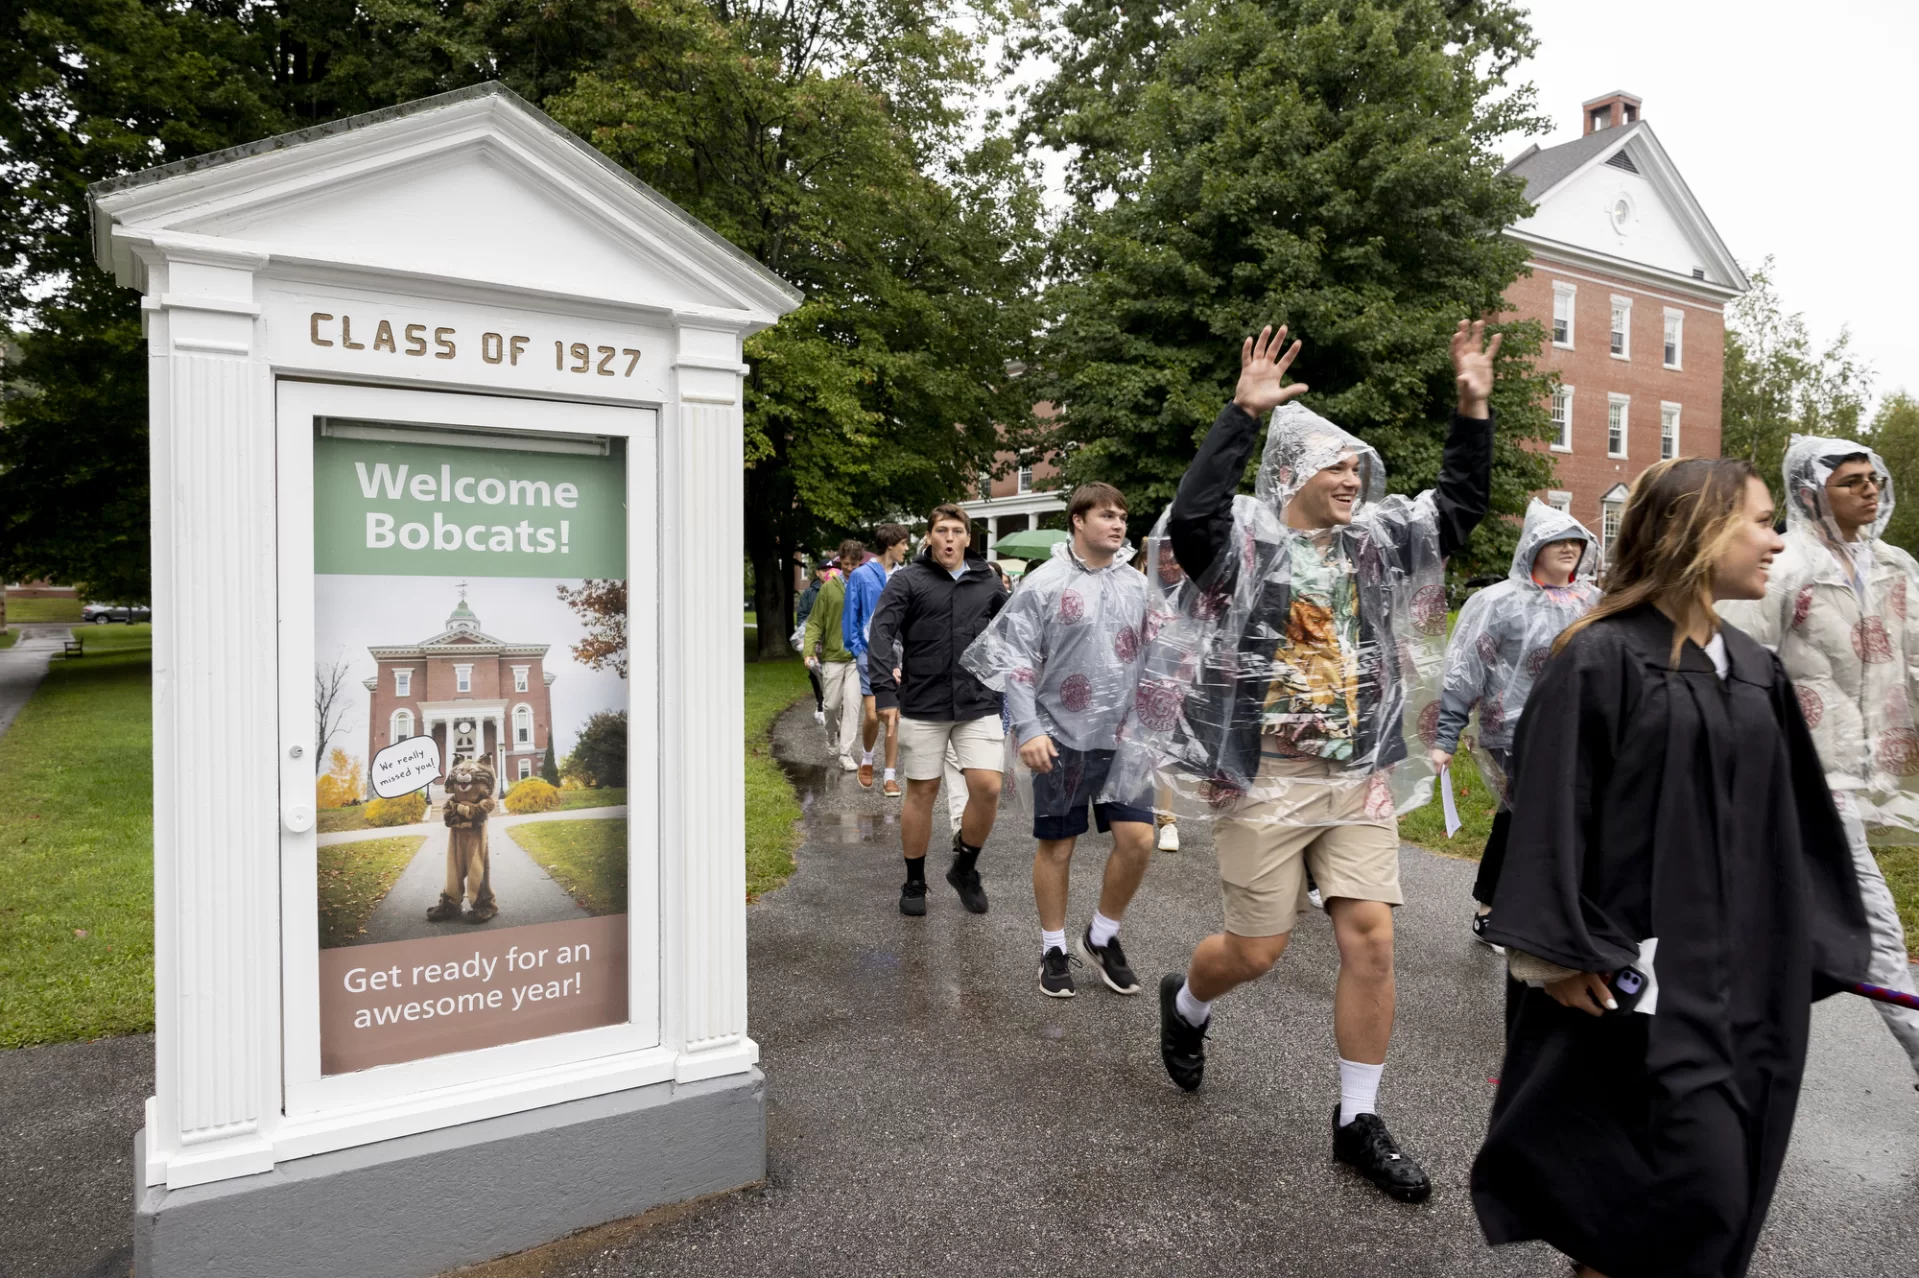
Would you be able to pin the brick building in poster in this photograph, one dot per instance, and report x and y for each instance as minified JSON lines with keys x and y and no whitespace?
{"x":1631,"y":282}
{"x":478,"y":697}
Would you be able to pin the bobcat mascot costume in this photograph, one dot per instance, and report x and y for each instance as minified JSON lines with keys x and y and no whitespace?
{"x":469,"y":797}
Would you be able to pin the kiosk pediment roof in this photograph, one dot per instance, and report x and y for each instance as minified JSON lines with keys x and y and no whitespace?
{"x":475,"y":185}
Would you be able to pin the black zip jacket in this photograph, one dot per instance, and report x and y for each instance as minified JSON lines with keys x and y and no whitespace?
{"x":1201,"y":527}
{"x":929,"y":619}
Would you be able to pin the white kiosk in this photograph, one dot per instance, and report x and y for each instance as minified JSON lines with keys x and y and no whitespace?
{"x":446,"y":413}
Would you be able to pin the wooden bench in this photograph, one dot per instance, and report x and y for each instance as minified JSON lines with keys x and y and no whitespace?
{"x":71,"y":648}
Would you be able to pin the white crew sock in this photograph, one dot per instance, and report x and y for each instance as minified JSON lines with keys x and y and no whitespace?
{"x":1103,"y":929}
{"x":1052,"y":941}
{"x":1358,"y":1089}
{"x":866,"y":758}
{"x":888,"y":776}
{"x":1190,"y":1009}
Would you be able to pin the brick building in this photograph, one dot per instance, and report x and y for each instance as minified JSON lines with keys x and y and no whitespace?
{"x":1631,"y":283}
{"x":477,"y":696}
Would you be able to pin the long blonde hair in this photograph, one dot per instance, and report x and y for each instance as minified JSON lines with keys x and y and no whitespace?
{"x":1679,"y":516}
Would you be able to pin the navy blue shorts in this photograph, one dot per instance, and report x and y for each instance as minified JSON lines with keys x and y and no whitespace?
{"x":1062,"y":796}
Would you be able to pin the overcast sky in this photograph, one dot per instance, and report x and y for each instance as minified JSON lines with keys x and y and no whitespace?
{"x":1791,"y":124}
{"x":1788,"y":121}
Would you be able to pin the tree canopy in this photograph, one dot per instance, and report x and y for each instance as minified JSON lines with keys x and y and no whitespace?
{"x":1328,"y":164}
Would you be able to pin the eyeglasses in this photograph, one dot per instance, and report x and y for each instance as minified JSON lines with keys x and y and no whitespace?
{"x":1858,"y":483}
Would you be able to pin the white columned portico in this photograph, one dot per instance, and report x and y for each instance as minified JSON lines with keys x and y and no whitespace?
{"x":504,"y":279}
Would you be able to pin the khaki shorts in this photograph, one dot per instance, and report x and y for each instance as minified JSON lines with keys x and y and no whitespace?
{"x":1267,"y":845}
{"x":977,"y":743}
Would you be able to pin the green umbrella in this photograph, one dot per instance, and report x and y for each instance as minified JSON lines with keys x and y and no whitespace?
{"x":1035,"y":543}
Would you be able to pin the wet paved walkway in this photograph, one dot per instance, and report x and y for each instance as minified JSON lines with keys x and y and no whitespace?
{"x":24,"y":665}
{"x":930,"y":1112}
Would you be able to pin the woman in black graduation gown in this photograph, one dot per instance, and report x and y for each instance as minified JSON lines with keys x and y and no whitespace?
{"x":1669,"y":813}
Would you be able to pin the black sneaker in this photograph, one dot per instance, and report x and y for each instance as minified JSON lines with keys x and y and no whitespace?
{"x":1111,"y":962}
{"x":1055,"y":978}
{"x":1181,"y":1046}
{"x":913,"y":898}
{"x":1368,"y":1148}
{"x":1480,"y":924}
{"x":971,"y":894}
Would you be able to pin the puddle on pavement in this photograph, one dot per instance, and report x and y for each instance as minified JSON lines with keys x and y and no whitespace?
{"x":811,"y":782}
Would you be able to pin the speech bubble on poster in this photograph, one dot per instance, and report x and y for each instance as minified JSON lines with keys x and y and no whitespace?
{"x":405,"y":766}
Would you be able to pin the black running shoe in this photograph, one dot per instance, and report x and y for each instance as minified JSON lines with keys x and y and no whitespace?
{"x":1368,"y":1148}
{"x":1111,"y":962}
{"x":913,"y":897}
{"x":1055,"y":976}
{"x":1181,"y":1046}
{"x":971,"y":893}
{"x":1480,"y":924}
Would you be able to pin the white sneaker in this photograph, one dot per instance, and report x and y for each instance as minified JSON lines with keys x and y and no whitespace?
{"x":1319,"y":902}
{"x":1169,"y":838}
{"x":819,"y":717}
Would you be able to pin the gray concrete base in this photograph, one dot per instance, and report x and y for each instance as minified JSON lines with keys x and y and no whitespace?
{"x":420,"y":1205}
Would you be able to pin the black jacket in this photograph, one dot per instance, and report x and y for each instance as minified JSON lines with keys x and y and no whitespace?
{"x":1201,"y":527}
{"x":929,"y":619}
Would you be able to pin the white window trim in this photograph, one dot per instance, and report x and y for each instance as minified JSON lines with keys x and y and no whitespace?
{"x":1567,"y":435}
{"x":393,"y":733}
{"x":403,"y":681}
{"x":1625,"y":351}
{"x":463,"y":678}
{"x":1024,"y":480}
{"x":1666,"y":407}
{"x":1677,"y":318}
{"x":1571,"y":293}
{"x":513,"y":721}
{"x":522,"y":680}
{"x":1559,"y":499}
{"x":526,"y":769}
{"x":1624,"y":404}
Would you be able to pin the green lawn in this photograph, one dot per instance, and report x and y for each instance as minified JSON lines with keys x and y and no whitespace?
{"x":609,"y":796}
{"x":23,"y":610}
{"x":76,"y":855}
{"x":771,"y":806}
{"x":96,"y":640}
{"x":1901,"y":867}
{"x":587,"y":858}
{"x":354,"y":878}
{"x":1427,"y":826}
{"x":6,"y":639}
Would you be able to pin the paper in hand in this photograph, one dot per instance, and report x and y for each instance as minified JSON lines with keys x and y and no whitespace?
{"x":1446,"y":801}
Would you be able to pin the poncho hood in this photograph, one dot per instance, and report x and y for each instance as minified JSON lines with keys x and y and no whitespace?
{"x":1810,"y":461}
{"x":1544,"y":526}
{"x":1299,"y":444}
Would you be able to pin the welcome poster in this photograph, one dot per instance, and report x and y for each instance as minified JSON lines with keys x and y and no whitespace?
{"x":470,"y":695}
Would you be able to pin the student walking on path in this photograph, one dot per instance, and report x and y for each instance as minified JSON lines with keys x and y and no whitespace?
{"x":930,"y":612}
{"x":863,"y":588}
{"x":1283,"y":690}
{"x":1677,"y":892}
{"x":1065,"y":651}
{"x":1497,"y":649}
{"x":823,"y":645}
{"x":1836,"y":611}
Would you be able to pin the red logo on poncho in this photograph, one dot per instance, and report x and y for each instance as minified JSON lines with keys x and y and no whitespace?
{"x":1536,"y":660}
{"x":1429,"y":725}
{"x":1429,"y":610}
{"x":1024,"y":675}
{"x":1157,"y":705}
{"x":1896,"y":599}
{"x":1801,"y":607}
{"x":1149,"y":628}
{"x":1379,"y":798}
{"x":1811,"y":708}
{"x":1071,"y":608}
{"x":1870,"y":642}
{"x":1488,"y":650}
{"x":1126,"y":644}
{"x":1492,"y":715}
{"x":1210,"y":605}
{"x":1076,"y":693}
{"x":1220,"y":792}
{"x":1899,"y":752}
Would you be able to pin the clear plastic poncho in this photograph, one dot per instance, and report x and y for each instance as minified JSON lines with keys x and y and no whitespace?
{"x":1290,"y":683}
{"x":1503,"y":639}
{"x":1836,"y":612}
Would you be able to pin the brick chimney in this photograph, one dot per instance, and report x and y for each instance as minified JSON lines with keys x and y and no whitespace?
{"x":1612,"y":111}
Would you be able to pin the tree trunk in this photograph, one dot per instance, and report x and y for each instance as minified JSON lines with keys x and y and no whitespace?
{"x":773,"y":600}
